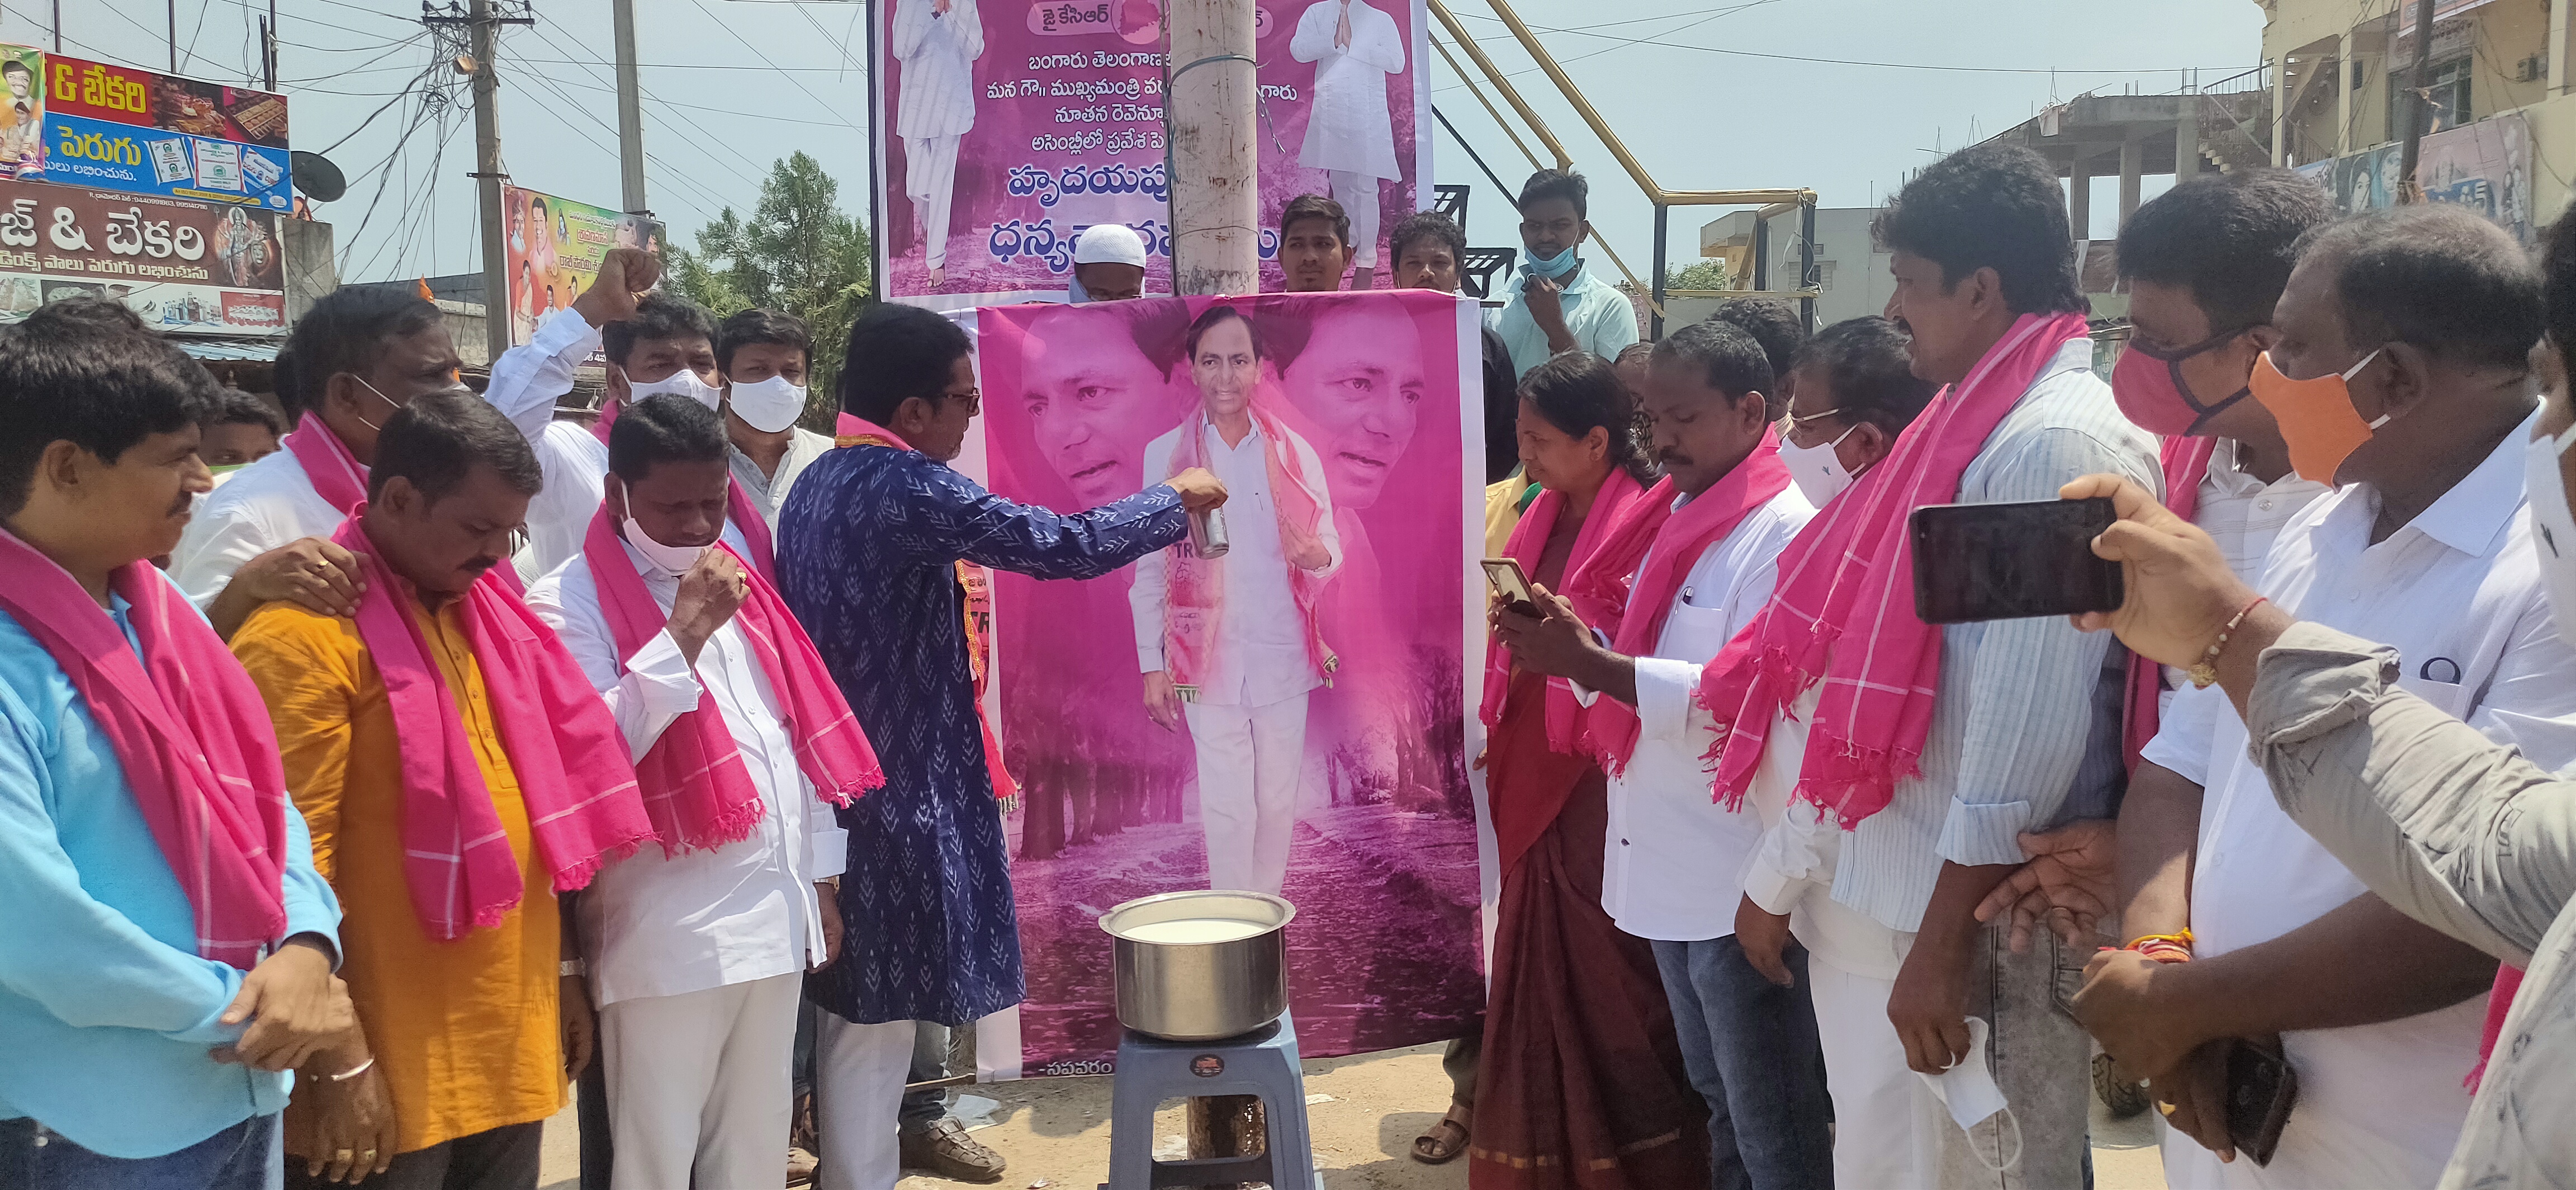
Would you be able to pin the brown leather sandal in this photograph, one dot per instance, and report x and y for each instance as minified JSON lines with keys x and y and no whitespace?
{"x":1443,"y":1142}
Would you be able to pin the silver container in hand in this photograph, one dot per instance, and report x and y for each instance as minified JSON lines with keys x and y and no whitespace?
{"x":1207,"y":533}
{"x":1200,"y":966}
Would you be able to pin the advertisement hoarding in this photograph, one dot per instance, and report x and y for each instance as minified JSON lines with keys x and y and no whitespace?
{"x":1008,"y":126}
{"x":118,"y":128}
{"x":124,"y":95}
{"x":554,"y":246}
{"x":84,"y":152}
{"x":22,"y":111}
{"x":185,"y":267}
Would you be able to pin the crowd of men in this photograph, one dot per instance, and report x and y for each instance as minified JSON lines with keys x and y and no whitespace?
{"x":370,"y":782}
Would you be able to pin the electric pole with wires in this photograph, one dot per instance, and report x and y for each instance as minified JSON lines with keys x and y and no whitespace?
{"x":482,"y":23}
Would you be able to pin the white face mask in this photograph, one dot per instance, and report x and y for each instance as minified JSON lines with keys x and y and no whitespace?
{"x":1969,"y":1091}
{"x":684,"y":382}
{"x":672,"y":560}
{"x":1817,"y":470}
{"x":2553,"y":528}
{"x":768,"y":405}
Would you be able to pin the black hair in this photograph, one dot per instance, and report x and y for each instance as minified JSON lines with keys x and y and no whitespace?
{"x":663,"y":428}
{"x":895,"y":353}
{"x":2434,"y":275}
{"x":16,"y":65}
{"x":658,"y":316}
{"x":1872,"y":374}
{"x":1576,"y":392}
{"x":344,"y":332}
{"x":2227,"y":238}
{"x":1638,"y":348}
{"x":1553,"y":183}
{"x":1989,"y":206}
{"x":233,"y":407}
{"x":2558,"y":283}
{"x":1208,"y":320}
{"x":69,"y":374}
{"x":1428,"y":225}
{"x":438,"y":439}
{"x":1316,"y":206}
{"x":1727,"y":358}
{"x":1773,"y":323}
{"x":95,"y":312}
{"x":761,"y":326}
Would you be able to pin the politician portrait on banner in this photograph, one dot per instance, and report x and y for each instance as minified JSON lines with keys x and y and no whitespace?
{"x":1286,"y":714}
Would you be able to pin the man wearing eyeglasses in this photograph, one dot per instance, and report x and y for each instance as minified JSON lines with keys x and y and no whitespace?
{"x":883,"y":544}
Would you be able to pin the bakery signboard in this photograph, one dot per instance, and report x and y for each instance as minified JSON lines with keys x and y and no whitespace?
{"x":118,"y":128}
{"x":185,"y":267}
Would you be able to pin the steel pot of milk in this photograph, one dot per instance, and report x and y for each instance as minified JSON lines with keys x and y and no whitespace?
{"x":1200,"y":966}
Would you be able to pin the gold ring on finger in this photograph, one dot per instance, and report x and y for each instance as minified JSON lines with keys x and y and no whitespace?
{"x":342,"y":1156}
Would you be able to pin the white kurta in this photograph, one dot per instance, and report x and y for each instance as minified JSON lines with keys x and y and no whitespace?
{"x":266,"y":505}
{"x":1348,"y":127}
{"x":938,"y":50}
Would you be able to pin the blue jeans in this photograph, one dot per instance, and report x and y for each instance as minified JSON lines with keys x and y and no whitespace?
{"x":924,"y":1108}
{"x":1750,"y":1048}
{"x":246,"y":1156}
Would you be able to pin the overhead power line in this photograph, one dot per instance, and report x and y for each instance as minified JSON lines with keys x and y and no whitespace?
{"x":1710,"y":49}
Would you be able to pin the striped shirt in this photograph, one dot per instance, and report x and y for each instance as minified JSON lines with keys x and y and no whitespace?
{"x":2026,"y":728}
{"x":936,"y":95}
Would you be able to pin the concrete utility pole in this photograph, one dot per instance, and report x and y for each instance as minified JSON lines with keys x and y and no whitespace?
{"x":481,"y":25}
{"x":2419,"y":112}
{"x":1209,"y":116}
{"x":630,"y":111}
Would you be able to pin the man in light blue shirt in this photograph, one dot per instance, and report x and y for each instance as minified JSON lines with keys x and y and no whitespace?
{"x":134,"y":1061}
{"x":1559,"y":305}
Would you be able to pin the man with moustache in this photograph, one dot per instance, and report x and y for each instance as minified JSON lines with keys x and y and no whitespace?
{"x":1428,"y":247}
{"x":1314,"y":244}
{"x":1095,"y":395}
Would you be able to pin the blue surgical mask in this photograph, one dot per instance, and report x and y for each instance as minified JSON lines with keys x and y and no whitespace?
{"x":1550,"y":267}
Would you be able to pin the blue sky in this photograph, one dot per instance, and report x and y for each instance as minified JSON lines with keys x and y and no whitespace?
{"x":1718,"y":100}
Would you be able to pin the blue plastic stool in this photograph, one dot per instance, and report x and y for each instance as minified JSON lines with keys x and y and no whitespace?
{"x":1261,"y":1063}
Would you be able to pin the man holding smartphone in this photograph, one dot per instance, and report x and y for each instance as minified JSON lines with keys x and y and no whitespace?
{"x":1899,"y":762}
{"x":1703,"y":546}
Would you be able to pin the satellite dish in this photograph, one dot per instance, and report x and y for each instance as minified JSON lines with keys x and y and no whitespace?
{"x":316,"y":176}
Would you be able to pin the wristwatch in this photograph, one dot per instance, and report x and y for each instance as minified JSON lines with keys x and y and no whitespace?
{"x":575,"y":969}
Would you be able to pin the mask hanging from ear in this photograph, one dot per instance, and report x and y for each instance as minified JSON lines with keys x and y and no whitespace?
{"x":2317,"y":419}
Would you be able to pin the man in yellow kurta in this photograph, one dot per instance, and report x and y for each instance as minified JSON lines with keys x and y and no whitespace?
{"x":457,"y":771}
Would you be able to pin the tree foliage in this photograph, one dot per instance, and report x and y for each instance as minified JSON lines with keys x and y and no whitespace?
{"x":797,"y":253}
{"x":1698,"y":274}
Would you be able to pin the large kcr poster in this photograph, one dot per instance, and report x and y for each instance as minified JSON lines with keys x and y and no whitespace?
{"x":1292,"y":716}
{"x":1005,"y":127}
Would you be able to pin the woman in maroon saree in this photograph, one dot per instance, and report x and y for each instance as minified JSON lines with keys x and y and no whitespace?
{"x":1582,"y":1084}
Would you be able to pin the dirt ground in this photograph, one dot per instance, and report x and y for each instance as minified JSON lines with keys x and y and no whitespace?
{"x":1056,"y":1131}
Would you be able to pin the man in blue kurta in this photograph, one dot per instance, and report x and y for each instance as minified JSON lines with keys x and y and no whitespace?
{"x":166,"y":948}
{"x":869,"y":551}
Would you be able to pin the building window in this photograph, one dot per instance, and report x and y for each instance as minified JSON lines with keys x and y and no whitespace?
{"x":2448,"y":87}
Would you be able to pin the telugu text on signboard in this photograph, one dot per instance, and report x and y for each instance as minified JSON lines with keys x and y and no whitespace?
{"x":185,"y":267}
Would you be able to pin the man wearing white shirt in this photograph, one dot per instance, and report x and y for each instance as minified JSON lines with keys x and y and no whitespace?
{"x":1231,"y":643}
{"x":937,"y":41}
{"x":764,"y":357}
{"x":1673,"y":856}
{"x":698,"y":953}
{"x":1349,"y":133}
{"x":2426,"y":314}
{"x":354,"y":358}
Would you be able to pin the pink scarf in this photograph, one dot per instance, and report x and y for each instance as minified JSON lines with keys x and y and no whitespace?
{"x":696,"y":788}
{"x":565,"y":750}
{"x":849,"y":429}
{"x":188,"y":727}
{"x":1529,"y":541}
{"x":1194,"y":591}
{"x":738,"y":509}
{"x":336,"y":474}
{"x":1844,"y":609}
{"x":2186,"y":460}
{"x":1677,"y":539}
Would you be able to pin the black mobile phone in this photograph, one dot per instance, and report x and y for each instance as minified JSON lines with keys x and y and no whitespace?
{"x":2261,"y":1090}
{"x":2010,"y":561}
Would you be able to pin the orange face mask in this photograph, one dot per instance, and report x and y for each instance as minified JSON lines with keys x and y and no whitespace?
{"x":2316,"y":416}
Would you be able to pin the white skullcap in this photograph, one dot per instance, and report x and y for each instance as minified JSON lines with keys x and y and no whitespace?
{"x":1109,"y":243}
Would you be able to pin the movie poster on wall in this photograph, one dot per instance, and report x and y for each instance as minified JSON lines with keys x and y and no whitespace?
{"x":1326,"y":754}
{"x":552,"y":248}
{"x":184,"y":267}
{"x":22,"y":112}
{"x":1008,"y":126}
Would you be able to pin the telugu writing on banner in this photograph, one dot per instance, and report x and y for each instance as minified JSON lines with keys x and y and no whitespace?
{"x":185,"y":267}
{"x":1008,"y":126}
{"x":553,"y":248}
{"x":1369,"y":823}
{"x":117,"y":128}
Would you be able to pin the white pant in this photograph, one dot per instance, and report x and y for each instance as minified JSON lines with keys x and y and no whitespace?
{"x":1358,"y":195}
{"x":1249,"y":759}
{"x":1887,"y":1124}
{"x":700,"y":1082}
{"x":930,"y":181}
{"x":859,"y":1072}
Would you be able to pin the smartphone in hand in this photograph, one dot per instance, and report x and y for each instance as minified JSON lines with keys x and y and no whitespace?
{"x":2010,"y":561}
{"x":1510,"y":585}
